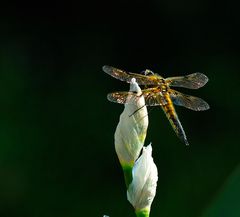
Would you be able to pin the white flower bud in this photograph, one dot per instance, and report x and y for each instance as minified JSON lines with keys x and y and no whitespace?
{"x":142,"y":190}
{"x":132,"y":127}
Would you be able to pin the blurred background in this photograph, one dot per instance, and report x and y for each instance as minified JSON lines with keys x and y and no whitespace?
{"x":57,"y":154}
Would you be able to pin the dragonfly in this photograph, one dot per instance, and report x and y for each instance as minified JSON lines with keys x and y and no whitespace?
{"x":158,"y":92}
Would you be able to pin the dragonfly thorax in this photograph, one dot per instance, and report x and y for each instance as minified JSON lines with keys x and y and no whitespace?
{"x":162,"y":88}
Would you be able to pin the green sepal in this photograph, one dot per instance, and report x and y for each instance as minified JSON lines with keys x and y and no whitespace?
{"x":142,"y":213}
{"x":127,"y":170}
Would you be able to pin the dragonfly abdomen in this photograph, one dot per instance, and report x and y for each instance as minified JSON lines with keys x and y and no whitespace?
{"x":171,"y":114}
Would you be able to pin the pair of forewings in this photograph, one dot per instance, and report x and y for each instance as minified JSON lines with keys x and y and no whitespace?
{"x":153,"y":96}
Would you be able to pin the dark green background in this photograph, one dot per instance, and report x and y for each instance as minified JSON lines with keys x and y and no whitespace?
{"x":57,"y":153}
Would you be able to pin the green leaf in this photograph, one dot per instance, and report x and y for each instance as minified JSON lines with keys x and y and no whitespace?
{"x":227,"y":202}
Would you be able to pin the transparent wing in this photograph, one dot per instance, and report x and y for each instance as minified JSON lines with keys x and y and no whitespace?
{"x":151,"y":95}
{"x":127,"y":76}
{"x":120,"y":97}
{"x":190,"y":102}
{"x":192,"y":81}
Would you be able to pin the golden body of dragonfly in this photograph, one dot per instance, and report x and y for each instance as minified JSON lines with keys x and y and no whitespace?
{"x":159,"y":93}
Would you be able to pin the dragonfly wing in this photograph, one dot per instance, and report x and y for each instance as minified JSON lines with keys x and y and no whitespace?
{"x":152,"y":97}
{"x":192,"y":81}
{"x":127,"y":76}
{"x":122,"y":97}
{"x":187,"y":101}
{"x":171,"y":114}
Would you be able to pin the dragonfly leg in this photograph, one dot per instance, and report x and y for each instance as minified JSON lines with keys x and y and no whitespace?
{"x":136,"y":110}
{"x":147,"y":72}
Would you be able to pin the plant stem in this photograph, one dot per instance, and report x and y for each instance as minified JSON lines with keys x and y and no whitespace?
{"x":127,"y":170}
{"x":143,"y":213}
